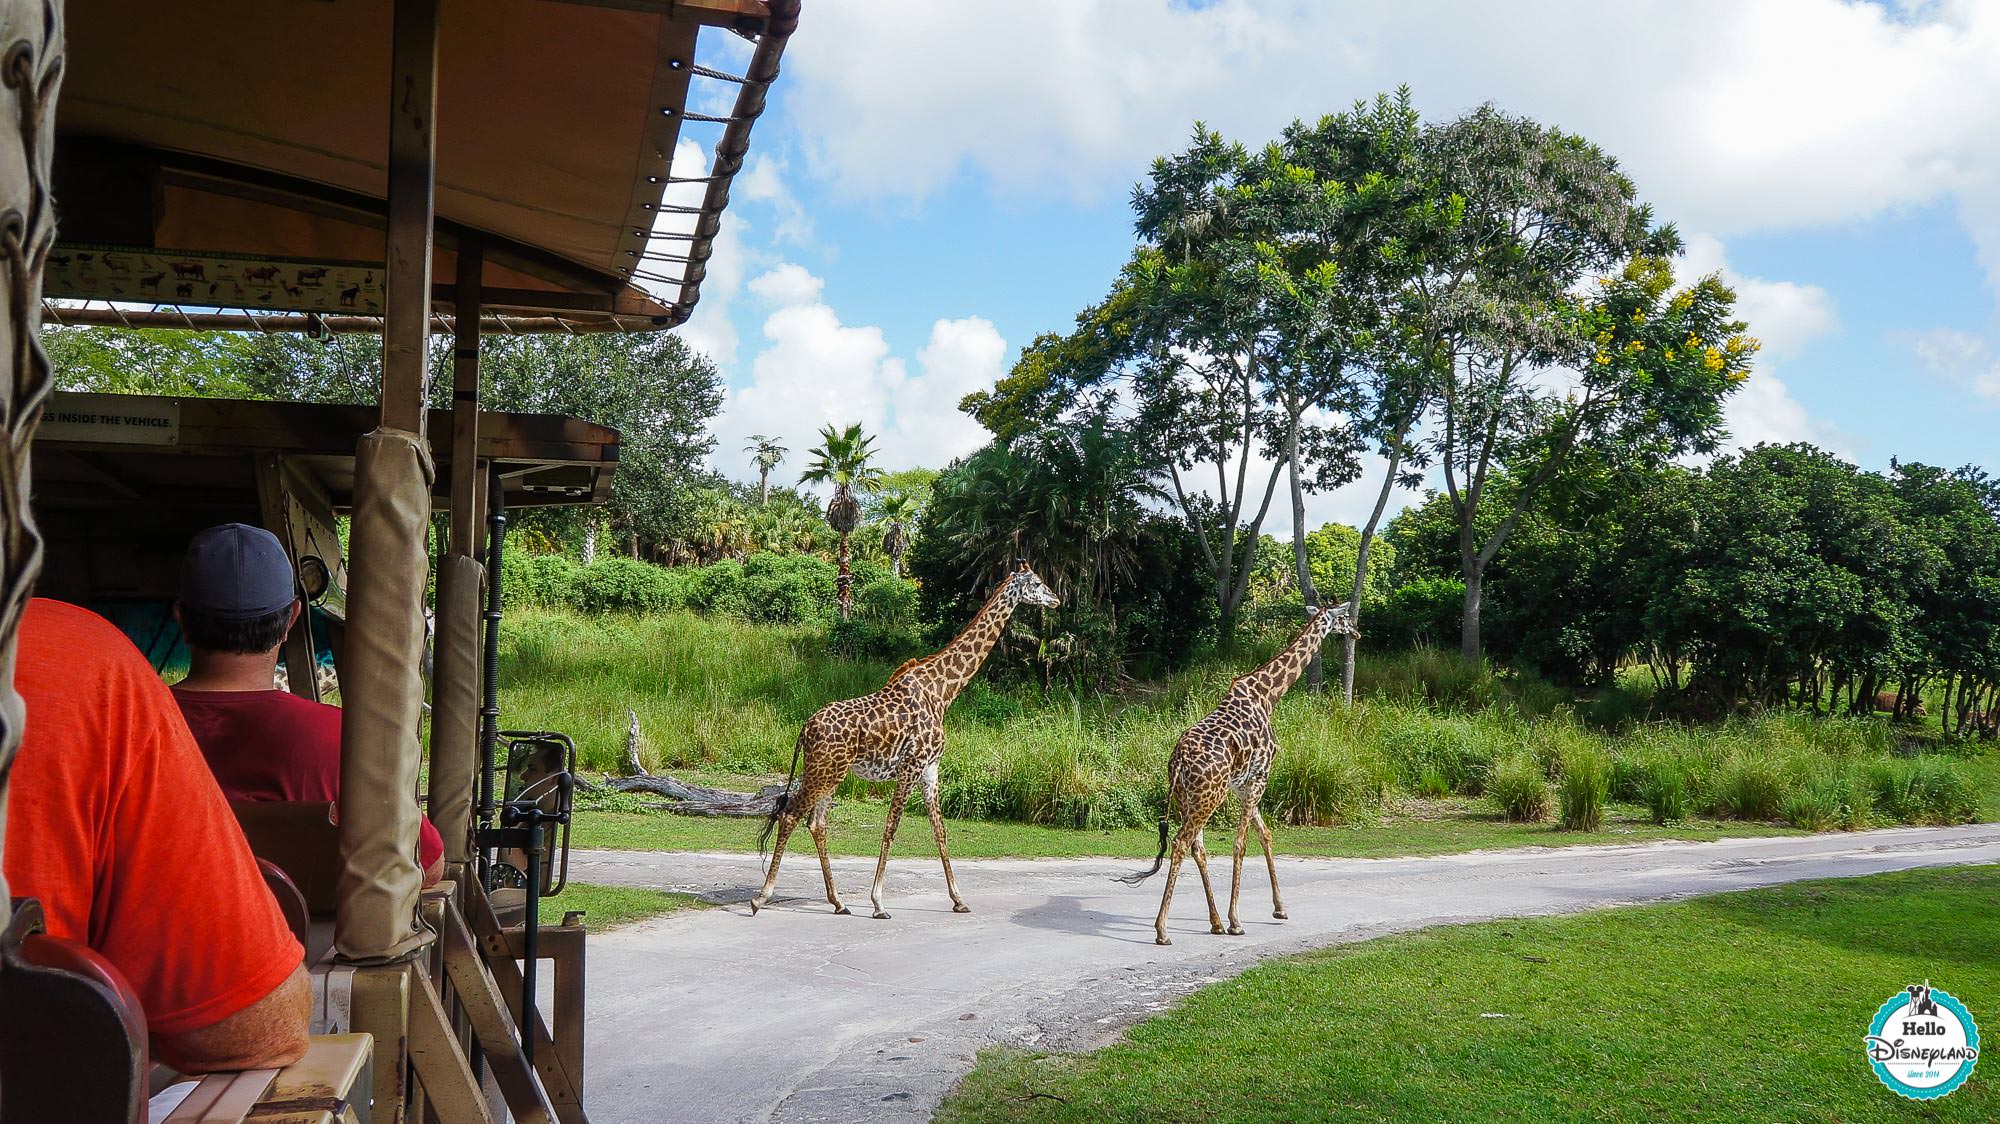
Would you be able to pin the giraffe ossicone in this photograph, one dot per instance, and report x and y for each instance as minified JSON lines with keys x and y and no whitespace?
{"x":1231,"y":749}
{"x":895,"y":734}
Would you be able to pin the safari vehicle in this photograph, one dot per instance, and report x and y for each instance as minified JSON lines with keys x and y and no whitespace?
{"x":319,"y":167}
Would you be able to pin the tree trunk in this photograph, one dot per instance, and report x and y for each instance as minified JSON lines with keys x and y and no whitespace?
{"x":1315,"y":671}
{"x":896,"y":565}
{"x":1468,"y":637}
{"x":1350,"y":641}
{"x":763,"y":487}
{"x":635,"y":546}
{"x":589,"y":541}
{"x":845,"y":582}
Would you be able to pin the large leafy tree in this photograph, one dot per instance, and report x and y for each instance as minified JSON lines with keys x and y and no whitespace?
{"x":844,"y":458}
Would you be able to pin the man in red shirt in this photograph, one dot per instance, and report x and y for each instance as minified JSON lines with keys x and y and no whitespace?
{"x":237,"y":604}
{"x":115,"y":825}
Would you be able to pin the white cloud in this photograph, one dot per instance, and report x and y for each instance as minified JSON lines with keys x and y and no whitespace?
{"x":763,"y":181}
{"x":710,"y":329}
{"x":815,"y":370}
{"x":1731,"y":116}
{"x":787,"y":286}
{"x":1960,"y":358}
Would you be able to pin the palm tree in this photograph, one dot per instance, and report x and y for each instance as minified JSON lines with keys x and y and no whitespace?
{"x":897,"y":509}
{"x":766,"y":454}
{"x":842,"y":460}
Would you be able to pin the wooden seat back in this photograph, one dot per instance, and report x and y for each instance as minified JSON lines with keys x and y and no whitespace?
{"x":300,"y":838}
{"x":72,"y":1033}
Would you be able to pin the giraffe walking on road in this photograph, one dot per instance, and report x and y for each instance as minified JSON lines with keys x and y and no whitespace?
{"x":895,"y":734}
{"x":1231,"y":750}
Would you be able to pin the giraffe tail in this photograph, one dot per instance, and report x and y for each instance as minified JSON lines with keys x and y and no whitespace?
{"x":1140,"y":876}
{"x":783,"y":800}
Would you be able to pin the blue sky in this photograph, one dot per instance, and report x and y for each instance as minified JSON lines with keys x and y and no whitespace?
{"x":935,"y":183}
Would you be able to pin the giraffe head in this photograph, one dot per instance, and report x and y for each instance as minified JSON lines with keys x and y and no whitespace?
{"x":1024,"y":588}
{"x":1338,"y":619}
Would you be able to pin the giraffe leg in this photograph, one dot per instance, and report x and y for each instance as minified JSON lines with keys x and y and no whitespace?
{"x":1167,"y":897}
{"x":1207,"y":888}
{"x":1264,"y":833}
{"x":816,"y":823}
{"x":787,"y":820}
{"x":937,"y":832}
{"x":1236,"y":870}
{"x":896,"y":803}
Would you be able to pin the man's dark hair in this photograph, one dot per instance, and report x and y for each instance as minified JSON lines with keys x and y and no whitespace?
{"x":245,"y":638}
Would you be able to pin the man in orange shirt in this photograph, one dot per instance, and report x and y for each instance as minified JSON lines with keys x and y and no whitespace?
{"x":115,"y":824}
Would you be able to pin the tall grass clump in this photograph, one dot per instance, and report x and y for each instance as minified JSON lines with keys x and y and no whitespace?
{"x":1326,"y":771}
{"x":1749,"y":786}
{"x":1922,"y":790}
{"x":1666,"y":789}
{"x":1585,"y":783}
{"x":1517,"y":785}
{"x":1831,"y":795}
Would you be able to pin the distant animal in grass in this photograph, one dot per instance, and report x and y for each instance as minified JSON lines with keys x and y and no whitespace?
{"x":1892,"y":701}
{"x":895,"y":734}
{"x":1231,"y":750}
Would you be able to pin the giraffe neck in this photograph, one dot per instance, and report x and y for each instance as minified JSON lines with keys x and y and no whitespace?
{"x":957,"y":662}
{"x":1266,"y":685}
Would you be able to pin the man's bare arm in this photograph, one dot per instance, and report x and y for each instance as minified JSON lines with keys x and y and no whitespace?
{"x":265,"y":1035}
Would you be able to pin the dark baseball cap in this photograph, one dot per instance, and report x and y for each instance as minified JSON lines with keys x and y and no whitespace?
{"x":236,"y":572}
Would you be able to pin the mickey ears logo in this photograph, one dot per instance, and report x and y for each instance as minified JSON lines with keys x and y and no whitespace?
{"x":1923,"y":1043}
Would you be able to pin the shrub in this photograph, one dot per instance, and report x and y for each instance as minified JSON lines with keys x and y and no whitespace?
{"x":1666,"y":789}
{"x":1586,"y":780}
{"x":1922,"y":790}
{"x":1829,"y":796}
{"x":1428,"y":611}
{"x":545,"y":580}
{"x":1322,"y":783}
{"x":622,"y":585}
{"x":1516,"y":784}
{"x":787,"y":589}
{"x":717,"y":589}
{"x":1749,"y":787}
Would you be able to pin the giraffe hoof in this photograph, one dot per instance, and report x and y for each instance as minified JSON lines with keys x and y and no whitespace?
{"x":842,"y":911}
{"x":1279,"y":914}
{"x":754,"y":907}
{"x":960,"y":907}
{"x":881,"y":915}
{"x":1234,"y":930}
{"x":1217,"y":930}
{"x":1161,"y":940}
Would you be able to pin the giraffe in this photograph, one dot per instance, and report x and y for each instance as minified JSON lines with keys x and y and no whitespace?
{"x":896,"y":734}
{"x":1231,"y":750}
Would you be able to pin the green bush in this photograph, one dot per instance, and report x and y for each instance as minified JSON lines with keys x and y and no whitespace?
{"x":1922,"y":790}
{"x":1830,"y":796}
{"x":1517,"y":785}
{"x":623,"y":585}
{"x":717,"y":589}
{"x":1586,"y":780}
{"x":547,"y":581}
{"x":787,"y":589}
{"x":1666,"y":789}
{"x":1428,"y":611}
{"x":1314,"y":782}
{"x":1749,"y":787}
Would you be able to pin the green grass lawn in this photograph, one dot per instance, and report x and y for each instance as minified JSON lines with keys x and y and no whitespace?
{"x":1748,"y":1006}
{"x":606,"y":907}
{"x":1416,"y":827}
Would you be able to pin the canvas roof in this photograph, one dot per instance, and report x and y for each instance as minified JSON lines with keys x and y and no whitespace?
{"x":249,"y":137}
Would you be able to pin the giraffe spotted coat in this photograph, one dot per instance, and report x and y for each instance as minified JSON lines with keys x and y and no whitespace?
{"x":895,"y":734}
{"x":1230,"y":750}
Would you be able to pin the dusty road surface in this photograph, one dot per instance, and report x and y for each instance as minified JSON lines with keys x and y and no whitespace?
{"x":796,"y":1014}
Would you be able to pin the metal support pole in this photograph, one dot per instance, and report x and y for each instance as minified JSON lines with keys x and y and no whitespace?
{"x":489,"y":707}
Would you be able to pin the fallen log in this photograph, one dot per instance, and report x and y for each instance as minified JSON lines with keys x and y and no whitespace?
{"x":691,"y":799}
